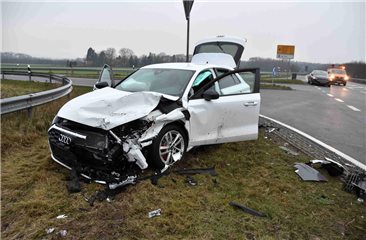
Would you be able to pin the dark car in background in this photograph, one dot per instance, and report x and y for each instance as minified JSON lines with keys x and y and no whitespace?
{"x":319,"y":77}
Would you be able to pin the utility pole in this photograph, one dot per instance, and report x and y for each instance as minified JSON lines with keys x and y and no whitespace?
{"x":187,"y":4}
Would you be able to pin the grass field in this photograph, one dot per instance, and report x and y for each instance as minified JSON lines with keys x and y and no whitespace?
{"x":275,"y":86}
{"x":255,"y":173}
{"x":281,"y":80}
{"x":11,"y":88}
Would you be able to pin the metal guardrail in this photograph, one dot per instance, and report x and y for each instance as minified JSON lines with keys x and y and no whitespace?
{"x":91,"y":70}
{"x":29,"y":101}
{"x":358,"y":80}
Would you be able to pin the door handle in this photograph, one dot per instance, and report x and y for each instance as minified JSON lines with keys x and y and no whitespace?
{"x":247,"y":104}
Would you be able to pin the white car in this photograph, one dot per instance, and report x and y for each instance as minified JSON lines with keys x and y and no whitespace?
{"x":156,"y":114}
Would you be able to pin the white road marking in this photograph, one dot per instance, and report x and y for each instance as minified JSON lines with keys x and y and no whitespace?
{"x":330,"y":95}
{"x":344,"y":89}
{"x":339,"y":100}
{"x":354,"y":108}
{"x":355,"y":87}
{"x":363,"y":91}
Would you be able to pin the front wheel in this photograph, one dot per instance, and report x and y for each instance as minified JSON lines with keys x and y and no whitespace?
{"x":168,"y":147}
{"x":344,"y":84}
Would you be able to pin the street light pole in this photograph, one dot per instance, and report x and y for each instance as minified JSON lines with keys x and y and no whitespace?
{"x":187,"y":4}
{"x":187,"y":53}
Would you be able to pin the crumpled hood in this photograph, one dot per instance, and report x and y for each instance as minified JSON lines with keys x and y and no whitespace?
{"x":108,"y":108}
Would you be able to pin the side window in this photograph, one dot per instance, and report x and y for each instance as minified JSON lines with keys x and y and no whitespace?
{"x":234,"y":84}
{"x":249,"y":79}
{"x":202,"y":78}
{"x":220,"y":72}
{"x":242,"y":81}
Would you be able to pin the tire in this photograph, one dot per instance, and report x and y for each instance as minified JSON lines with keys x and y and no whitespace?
{"x":163,"y":150}
{"x":328,"y":85}
{"x":344,"y":84}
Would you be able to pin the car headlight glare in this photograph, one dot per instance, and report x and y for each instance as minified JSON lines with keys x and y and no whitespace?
{"x":346,"y":78}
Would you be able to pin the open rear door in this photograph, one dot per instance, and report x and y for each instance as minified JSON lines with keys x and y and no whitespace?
{"x":220,"y":50}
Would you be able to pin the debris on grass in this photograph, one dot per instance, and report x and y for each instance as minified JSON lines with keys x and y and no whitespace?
{"x":50,"y":230}
{"x":154,"y":213}
{"x":98,"y":195}
{"x":215,"y":182}
{"x":73,"y":185}
{"x":61,"y":216}
{"x":156,"y":176}
{"x":247,"y":209}
{"x":289,"y":151}
{"x":333,"y":168}
{"x":211,"y":171}
{"x":63,"y":233}
{"x":307,"y":173}
{"x":191,"y":181}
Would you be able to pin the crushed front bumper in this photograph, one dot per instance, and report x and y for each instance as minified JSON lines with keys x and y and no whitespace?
{"x":90,"y":155}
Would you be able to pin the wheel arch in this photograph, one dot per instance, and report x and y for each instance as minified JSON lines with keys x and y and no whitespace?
{"x":180,"y":124}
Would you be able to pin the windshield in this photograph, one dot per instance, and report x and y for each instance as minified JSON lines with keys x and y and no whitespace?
{"x":321,"y":73}
{"x":166,"y":81}
{"x":337,"y":71}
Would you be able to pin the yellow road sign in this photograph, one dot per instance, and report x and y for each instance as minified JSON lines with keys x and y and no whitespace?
{"x":285,"y":51}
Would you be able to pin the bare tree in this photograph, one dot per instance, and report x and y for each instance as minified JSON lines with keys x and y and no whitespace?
{"x":126,"y":52}
{"x":110,"y":55}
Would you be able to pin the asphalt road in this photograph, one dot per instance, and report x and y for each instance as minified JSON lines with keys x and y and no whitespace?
{"x":335,"y":115}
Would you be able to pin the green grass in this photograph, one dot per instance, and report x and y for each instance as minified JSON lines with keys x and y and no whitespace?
{"x":281,"y":80}
{"x":275,"y":86}
{"x":11,"y":88}
{"x":255,"y":173}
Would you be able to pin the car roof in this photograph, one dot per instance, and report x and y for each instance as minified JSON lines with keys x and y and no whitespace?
{"x":185,"y":66}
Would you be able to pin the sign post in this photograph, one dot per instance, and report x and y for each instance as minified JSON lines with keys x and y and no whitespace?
{"x":187,"y":4}
{"x":286,"y":52}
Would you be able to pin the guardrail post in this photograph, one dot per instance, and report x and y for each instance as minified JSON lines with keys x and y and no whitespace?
{"x":50,"y":78}
{"x":30,"y":76}
{"x":30,"y":112}
{"x":3,"y":76}
{"x":63,"y":80}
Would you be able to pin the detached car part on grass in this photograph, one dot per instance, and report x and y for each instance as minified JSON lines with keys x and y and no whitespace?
{"x":156,"y":114}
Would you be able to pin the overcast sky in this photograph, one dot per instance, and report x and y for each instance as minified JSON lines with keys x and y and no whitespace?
{"x":324,"y":32}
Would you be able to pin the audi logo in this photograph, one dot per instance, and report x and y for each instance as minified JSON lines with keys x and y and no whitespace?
{"x":64,"y":139}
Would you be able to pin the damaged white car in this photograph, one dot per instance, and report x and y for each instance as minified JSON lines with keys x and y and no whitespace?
{"x":156,"y":114}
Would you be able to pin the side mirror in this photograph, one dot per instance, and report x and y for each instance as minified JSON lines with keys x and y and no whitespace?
{"x":210,"y":94}
{"x":100,"y":85}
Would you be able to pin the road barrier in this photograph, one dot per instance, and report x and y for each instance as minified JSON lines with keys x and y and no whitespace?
{"x":358,"y":80}
{"x":29,"y":101}
{"x":308,"y":144}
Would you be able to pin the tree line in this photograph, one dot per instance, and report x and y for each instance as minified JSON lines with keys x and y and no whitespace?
{"x":125,"y":57}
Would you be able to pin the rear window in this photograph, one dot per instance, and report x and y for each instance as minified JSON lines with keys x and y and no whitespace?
{"x":219,"y":47}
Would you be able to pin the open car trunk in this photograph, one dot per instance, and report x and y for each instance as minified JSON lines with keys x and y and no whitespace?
{"x":220,"y":50}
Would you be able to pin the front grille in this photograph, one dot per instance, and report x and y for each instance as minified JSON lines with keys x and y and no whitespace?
{"x":83,"y":152}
